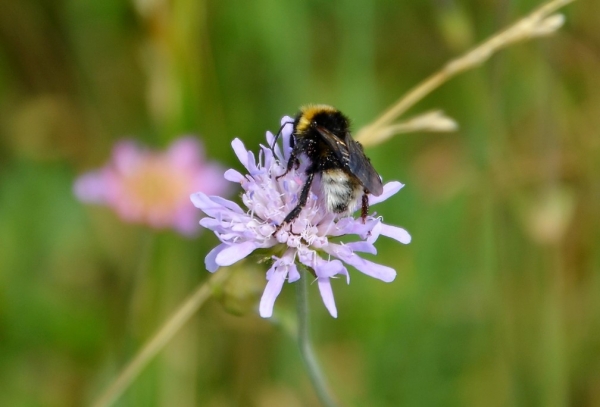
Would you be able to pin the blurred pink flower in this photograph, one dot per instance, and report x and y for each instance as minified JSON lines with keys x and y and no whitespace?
{"x":153,"y":187}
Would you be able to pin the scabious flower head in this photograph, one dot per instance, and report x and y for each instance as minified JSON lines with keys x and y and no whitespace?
{"x":152,"y":187}
{"x":269,"y":198}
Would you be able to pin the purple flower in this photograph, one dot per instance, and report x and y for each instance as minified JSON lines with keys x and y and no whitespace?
{"x":269,"y":200}
{"x":150,"y":187}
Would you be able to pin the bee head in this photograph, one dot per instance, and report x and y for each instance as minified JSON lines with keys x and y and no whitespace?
{"x":313,"y":116}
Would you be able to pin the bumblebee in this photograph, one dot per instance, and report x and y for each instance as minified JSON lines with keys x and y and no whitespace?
{"x":322,"y":133}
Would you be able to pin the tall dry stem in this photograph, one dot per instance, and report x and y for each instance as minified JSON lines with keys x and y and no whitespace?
{"x":540,"y":22}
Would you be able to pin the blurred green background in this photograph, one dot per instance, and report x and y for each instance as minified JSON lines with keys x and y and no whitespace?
{"x":497,"y":299}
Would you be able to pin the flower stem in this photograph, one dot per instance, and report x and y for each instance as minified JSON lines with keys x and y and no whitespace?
{"x":306,"y":350}
{"x":175,"y":322}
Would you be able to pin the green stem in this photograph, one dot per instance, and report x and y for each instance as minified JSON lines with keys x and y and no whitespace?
{"x":306,"y":350}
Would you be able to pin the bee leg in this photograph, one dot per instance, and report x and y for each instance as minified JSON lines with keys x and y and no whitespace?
{"x":292,"y":231}
{"x":364,"y":211}
{"x":294,"y":213}
{"x":293,"y":161}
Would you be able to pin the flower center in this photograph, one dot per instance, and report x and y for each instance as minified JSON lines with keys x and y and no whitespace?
{"x":156,"y":189}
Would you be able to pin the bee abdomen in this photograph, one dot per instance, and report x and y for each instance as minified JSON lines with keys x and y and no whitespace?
{"x":342,"y":191}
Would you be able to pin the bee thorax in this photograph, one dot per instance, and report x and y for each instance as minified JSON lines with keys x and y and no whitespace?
{"x":342,"y":192}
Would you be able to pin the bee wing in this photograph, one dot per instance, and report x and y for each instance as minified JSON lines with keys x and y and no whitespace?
{"x":352,"y":156}
{"x":362,"y":168}
{"x":337,"y":145}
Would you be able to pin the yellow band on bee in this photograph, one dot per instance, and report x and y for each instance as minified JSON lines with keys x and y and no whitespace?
{"x":308,"y":112}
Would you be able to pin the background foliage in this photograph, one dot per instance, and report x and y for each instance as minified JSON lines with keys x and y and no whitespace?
{"x":497,"y":299}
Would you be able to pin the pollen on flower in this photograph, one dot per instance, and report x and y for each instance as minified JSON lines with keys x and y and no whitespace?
{"x":269,"y":197}
{"x":152,"y":187}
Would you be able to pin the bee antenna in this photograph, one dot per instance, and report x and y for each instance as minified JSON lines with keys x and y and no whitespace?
{"x":279,"y":134}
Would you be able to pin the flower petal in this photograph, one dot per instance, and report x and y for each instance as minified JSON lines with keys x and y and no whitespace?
{"x":185,"y":152}
{"x":292,"y":271}
{"x":351,"y":226}
{"x":328,"y":269}
{"x":91,"y":187}
{"x":216,"y":207}
{"x":240,"y":151}
{"x":389,"y":189}
{"x":209,"y":261}
{"x":227,"y":204}
{"x":234,"y":176}
{"x":127,"y":155}
{"x":286,"y":133}
{"x":372,"y":235}
{"x":395,"y":233}
{"x":327,"y":295}
{"x":378,"y":271}
{"x":364,"y":247}
{"x":251,"y":164}
{"x":271,"y":144}
{"x":200,"y":200}
{"x":271,"y":292}
{"x":293,"y":274}
{"x":235,"y":253}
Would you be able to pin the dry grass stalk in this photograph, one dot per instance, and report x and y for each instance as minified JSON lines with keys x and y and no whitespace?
{"x":175,"y":322}
{"x":430,"y":121}
{"x":539,"y":23}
